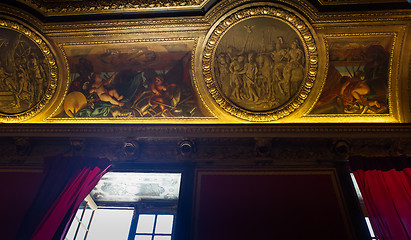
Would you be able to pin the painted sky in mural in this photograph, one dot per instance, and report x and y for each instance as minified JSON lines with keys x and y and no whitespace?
{"x":130,"y":80}
{"x":357,"y":79}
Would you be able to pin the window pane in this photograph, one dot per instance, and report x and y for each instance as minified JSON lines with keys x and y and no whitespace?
{"x":145,"y":223}
{"x":79,"y":212}
{"x":357,"y":189}
{"x":110,"y":224}
{"x":164,"y":224}
{"x":367,"y":220}
{"x":72,"y":230}
{"x":87,"y":216}
{"x":162,"y":238}
{"x":143,"y":237}
{"x":81,"y":232}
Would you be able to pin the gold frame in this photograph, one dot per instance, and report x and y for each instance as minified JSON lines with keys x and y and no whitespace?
{"x":52,"y":119}
{"x":45,"y":48}
{"x":307,"y":37}
{"x":394,"y":91}
{"x":322,"y":25}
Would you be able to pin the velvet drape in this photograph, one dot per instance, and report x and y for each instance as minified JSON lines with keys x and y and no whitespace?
{"x":385,"y":184}
{"x":67,"y":182}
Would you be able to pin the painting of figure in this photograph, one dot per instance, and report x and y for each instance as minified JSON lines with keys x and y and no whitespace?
{"x":260,"y":63}
{"x":357,"y":79}
{"x":131,"y":80}
{"x":24,"y":75}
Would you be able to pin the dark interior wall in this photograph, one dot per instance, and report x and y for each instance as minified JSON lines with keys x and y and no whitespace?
{"x":19,"y":188}
{"x":277,"y":204}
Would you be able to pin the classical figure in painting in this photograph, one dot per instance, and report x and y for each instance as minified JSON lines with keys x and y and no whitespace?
{"x":23,"y":76}
{"x":279,"y":56}
{"x":357,"y":80}
{"x":104,"y":94}
{"x":353,"y":91}
{"x":222,"y":71}
{"x":237,"y":72}
{"x":250,"y":78}
{"x":266,"y":66}
{"x":131,"y":82}
{"x":294,"y":69}
{"x":161,"y":95}
{"x":37,"y":75}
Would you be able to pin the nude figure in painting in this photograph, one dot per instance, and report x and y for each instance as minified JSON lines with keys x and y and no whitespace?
{"x":354,"y":90}
{"x":161,"y":94}
{"x":105,"y":95}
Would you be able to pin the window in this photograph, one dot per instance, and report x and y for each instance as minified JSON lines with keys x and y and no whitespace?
{"x":81,"y":223}
{"x":134,"y":206}
{"x":360,"y":198}
{"x":152,"y":227}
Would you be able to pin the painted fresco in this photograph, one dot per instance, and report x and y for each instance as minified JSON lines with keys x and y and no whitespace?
{"x":130,"y":80}
{"x":24,"y":76}
{"x":260,"y":63}
{"x":358,"y":76}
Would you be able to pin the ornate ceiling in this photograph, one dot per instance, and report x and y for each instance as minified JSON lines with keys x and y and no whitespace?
{"x":54,"y":8}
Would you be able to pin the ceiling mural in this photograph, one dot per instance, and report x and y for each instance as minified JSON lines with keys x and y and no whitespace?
{"x":28,"y":72}
{"x":234,"y":61}
{"x":130,"y":80}
{"x":266,"y":73}
{"x":358,"y":76}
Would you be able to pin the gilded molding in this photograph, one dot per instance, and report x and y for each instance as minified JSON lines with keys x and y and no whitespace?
{"x":209,"y":65}
{"x":346,"y":2}
{"x":65,"y":8}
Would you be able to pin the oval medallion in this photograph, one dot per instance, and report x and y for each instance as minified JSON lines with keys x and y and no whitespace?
{"x":259,"y":64}
{"x":28,"y":72}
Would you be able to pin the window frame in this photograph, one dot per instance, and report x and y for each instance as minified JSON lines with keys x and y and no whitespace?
{"x":154,"y":208}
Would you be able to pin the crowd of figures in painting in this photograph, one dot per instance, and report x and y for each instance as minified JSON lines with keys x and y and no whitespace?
{"x":23,"y":77}
{"x":265,"y":79}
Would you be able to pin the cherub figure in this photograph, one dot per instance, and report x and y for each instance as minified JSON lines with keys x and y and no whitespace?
{"x":160,"y":93}
{"x":104,"y":94}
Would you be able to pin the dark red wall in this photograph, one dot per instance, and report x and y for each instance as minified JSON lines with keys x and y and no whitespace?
{"x":19,"y":187}
{"x":303,"y":204}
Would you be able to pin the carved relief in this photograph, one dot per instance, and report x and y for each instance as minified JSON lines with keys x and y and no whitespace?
{"x":28,"y":72}
{"x":259,"y":64}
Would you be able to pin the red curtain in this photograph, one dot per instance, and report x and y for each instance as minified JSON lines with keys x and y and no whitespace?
{"x":385,"y":184}
{"x":67,"y":182}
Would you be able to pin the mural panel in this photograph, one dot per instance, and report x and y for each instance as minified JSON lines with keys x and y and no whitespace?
{"x":28,"y":72}
{"x":358,"y":76}
{"x":260,"y":63}
{"x":130,"y":80}
{"x":264,"y":68}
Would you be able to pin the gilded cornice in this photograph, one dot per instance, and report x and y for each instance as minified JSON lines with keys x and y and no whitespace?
{"x":345,"y":2}
{"x":79,"y":7}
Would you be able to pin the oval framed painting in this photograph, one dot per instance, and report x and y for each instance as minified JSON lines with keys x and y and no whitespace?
{"x":28,"y":72}
{"x":260,"y":63}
